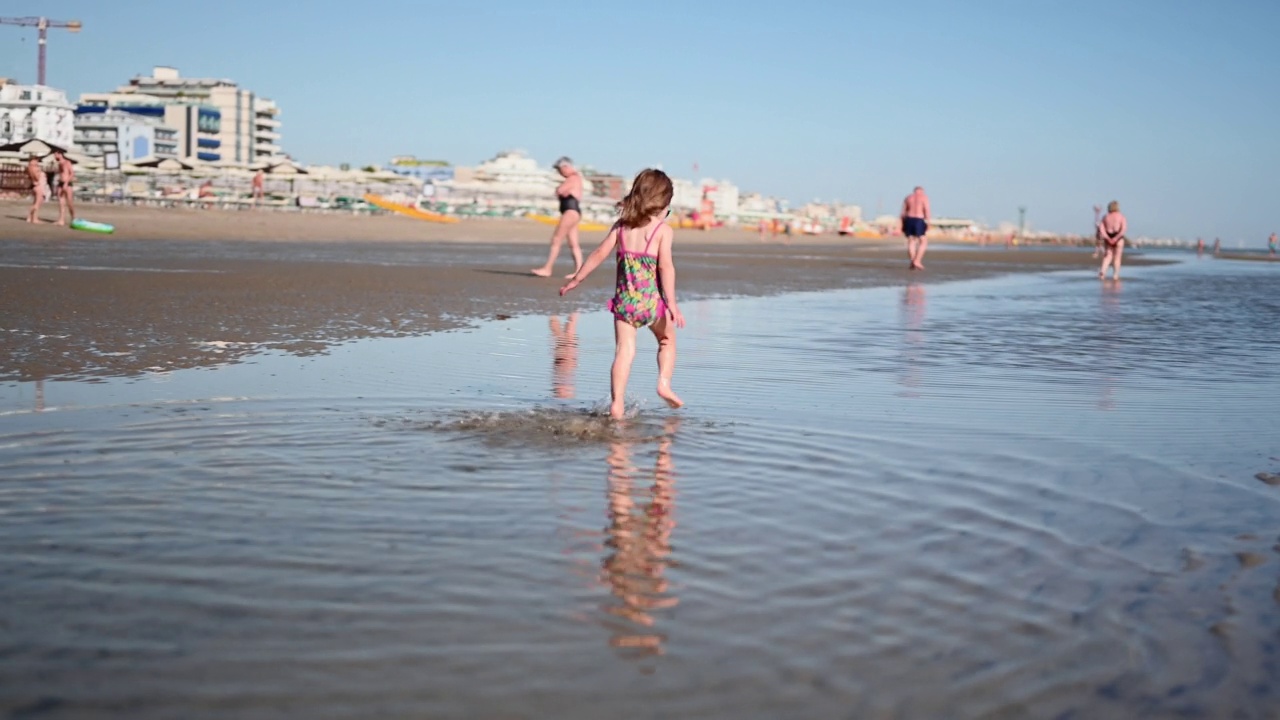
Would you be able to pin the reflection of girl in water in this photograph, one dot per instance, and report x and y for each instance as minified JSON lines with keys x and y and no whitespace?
{"x":564,"y":353}
{"x":638,"y":541}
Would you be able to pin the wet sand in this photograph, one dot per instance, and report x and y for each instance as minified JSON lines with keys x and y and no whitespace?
{"x":1252,"y":257}
{"x":187,"y":288}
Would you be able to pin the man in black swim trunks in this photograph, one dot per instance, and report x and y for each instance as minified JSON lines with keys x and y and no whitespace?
{"x":65,"y":188}
{"x":569,"y":193}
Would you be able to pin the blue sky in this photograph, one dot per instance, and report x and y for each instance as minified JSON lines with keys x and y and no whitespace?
{"x":1170,"y":106}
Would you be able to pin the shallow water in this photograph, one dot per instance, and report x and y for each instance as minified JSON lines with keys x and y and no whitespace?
{"x":1024,"y":497}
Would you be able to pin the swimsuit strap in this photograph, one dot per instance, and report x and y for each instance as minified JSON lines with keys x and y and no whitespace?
{"x":652,"y":235}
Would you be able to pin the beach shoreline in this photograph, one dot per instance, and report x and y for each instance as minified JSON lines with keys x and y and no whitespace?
{"x":172,"y":292}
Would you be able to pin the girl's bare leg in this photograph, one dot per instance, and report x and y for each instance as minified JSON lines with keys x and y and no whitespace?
{"x":665,"y":332}
{"x":1106,"y":260}
{"x":624,"y":336}
{"x":576,"y":249}
{"x":567,"y":221}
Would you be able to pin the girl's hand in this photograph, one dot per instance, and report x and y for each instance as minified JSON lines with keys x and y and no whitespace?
{"x":569,"y":286}
{"x":675,"y":315}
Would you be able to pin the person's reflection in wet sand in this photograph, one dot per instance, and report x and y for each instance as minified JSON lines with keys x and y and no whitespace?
{"x":564,"y":354}
{"x":1111,"y":335}
{"x":638,"y":543}
{"x":912,"y":316}
{"x":40,"y":395}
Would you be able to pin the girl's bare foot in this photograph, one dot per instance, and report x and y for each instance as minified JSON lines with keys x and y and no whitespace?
{"x":618,"y":411}
{"x":541,"y":272}
{"x":665,"y":392}
{"x":573,"y":274}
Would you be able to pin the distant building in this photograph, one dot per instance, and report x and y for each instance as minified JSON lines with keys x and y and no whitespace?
{"x":247,"y":127}
{"x":134,"y":137}
{"x":35,"y":112}
{"x":511,"y":173}
{"x":197,"y":126}
{"x":603,"y":185}
{"x":757,"y":204}
{"x":425,"y":170}
{"x":688,"y":195}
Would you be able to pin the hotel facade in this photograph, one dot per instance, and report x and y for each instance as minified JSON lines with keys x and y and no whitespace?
{"x":216,"y":120}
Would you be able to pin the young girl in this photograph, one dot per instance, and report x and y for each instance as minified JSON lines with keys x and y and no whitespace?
{"x":645,"y":294}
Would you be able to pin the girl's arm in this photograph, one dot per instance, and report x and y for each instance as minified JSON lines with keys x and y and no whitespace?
{"x":667,"y":275}
{"x":596,"y":257}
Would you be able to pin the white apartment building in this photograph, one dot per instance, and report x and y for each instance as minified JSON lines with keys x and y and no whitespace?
{"x":248,"y":125}
{"x":135,"y":137}
{"x":30,"y":112}
{"x":688,"y":195}
{"x":510,"y":172}
{"x":197,"y":126}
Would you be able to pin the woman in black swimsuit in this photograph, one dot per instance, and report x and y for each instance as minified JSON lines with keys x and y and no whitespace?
{"x":1112,"y":230}
{"x":570,"y":194}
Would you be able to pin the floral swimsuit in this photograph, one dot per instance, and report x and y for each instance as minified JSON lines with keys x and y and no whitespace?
{"x":637,"y":299}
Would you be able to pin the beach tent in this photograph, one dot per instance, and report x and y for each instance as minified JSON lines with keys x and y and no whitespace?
{"x":27,"y":148}
{"x":283,"y":167}
{"x":165,"y":164}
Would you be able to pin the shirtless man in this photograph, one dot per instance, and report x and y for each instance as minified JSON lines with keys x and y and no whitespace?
{"x":259,"y":186}
{"x":39,"y":186}
{"x":1112,"y":229}
{"x":915,"y":223}
{"x":569,"y":193}
{"x":66,"y":188}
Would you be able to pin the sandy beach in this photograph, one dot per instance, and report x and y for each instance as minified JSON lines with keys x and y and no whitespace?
{"x":183,"y":288}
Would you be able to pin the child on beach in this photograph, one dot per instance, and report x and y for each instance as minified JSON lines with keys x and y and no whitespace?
{"x":645,"y":294}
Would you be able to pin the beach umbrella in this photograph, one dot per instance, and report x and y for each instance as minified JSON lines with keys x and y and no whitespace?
{"x":165,"y":164}
{"x":284,"y":167}
{"x":36,"y":147}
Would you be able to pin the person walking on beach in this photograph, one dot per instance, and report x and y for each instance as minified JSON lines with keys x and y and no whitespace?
{"x":1271,"y":243}
{"x":1217,"y":246}
{"x":915,"y":224}
{"x":259,"y":186}
{"x":570,"y":194}
{"x":66,"y":188}
{"x":1112,"y":229}
{"x":39,"y":186}
{"x":645,"y":286}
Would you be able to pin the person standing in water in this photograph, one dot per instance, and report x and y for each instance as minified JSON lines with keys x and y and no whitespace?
{"x":645,"y":288}
{"x":39,"y":185}
{"x":1112,"y":229}
{"x":1271,"y":243}
{"x":66,"y":188}
{"x":570,"y":194}
{"x":915,"y":224}
{"x":1217,"y":246}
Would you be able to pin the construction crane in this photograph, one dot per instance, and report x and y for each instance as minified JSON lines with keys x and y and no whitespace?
{"x":42,"y":25}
